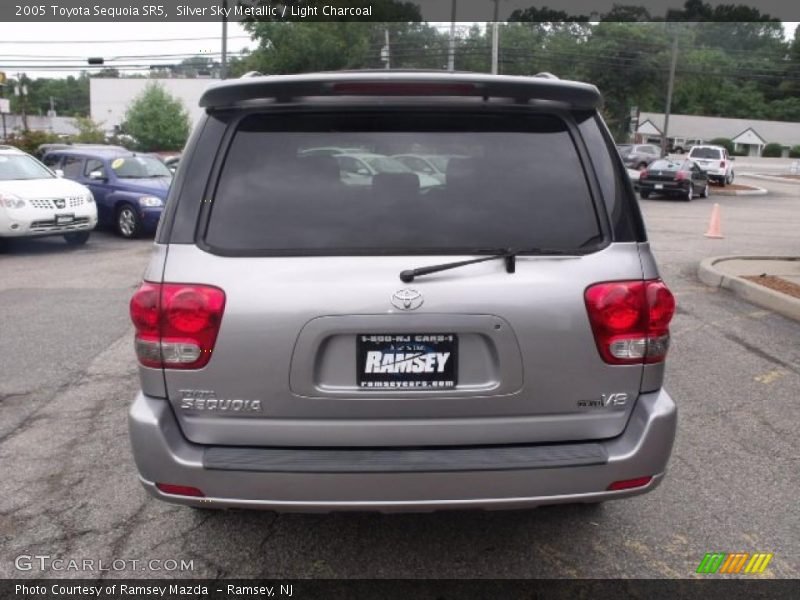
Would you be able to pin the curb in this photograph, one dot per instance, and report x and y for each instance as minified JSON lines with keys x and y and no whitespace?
{"x":771,"y":178}
{"x":756,"y":191}
{"x":782,"y":304}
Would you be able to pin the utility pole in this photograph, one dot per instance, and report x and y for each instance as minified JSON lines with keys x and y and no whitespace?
{"x":495,"y":37}
{"x":670,"y":86}
{"x":3,"y":103}
{"x":223,"y":71}
{"x":386,"y":53}
{"x":21,"y":90}
{"x":451,"y":53}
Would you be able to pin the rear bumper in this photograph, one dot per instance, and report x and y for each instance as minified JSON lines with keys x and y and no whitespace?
{"x":163,"y":455}
{"x":666,"y":186}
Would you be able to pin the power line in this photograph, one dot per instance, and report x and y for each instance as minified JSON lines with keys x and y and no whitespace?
{"x":118,"y":41}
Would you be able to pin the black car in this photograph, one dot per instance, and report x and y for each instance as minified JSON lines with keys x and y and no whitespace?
{"x":681,"y":178}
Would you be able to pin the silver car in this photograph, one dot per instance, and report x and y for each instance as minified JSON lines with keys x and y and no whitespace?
{"x":305,"y":344}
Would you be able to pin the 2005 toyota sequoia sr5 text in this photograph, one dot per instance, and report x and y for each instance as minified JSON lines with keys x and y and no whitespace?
{"x":323,"y":327}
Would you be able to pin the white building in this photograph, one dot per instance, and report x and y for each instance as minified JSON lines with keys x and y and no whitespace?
{"x":109,"y":98}
{"x":748,"y":135}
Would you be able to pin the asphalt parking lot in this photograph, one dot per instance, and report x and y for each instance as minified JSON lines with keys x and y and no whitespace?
{"x":67,"y":376}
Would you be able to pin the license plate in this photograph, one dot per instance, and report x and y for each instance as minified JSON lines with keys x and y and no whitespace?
{"x":420,"y":361}
{"x":659,"y":186}
{"x":64,"y":219}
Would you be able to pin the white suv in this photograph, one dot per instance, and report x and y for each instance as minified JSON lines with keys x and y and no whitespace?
{"x":714,"y":160}
{"x":36,"y":202}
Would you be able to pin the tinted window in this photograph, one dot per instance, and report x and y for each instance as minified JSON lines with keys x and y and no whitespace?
{"x":705,"y":153}
{"x":517,"y":182}
{"x":51,"y":160}
{"x":93,"y":164}
{"x":664,"y":165}
{"x":72,"y":166}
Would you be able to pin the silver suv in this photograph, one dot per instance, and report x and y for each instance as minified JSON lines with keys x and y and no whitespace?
{"x":494,"y":341}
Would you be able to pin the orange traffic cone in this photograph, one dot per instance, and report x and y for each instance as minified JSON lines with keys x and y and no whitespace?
{"x":714,"y":225}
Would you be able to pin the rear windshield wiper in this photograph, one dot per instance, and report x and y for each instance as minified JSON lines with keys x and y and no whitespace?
{"x":509,"y":255}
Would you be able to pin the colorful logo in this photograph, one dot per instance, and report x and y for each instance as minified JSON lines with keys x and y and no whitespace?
{"x":737,"y":562}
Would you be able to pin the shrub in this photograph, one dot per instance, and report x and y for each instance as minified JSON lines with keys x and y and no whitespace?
{"x":29,"y":141}
{"x":724,"y":142}
{"x":89,"y":132}
{"x":772,"y":151}
{"x":794,"y":152}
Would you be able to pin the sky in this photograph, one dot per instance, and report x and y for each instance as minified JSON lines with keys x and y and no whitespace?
{"x":69,"y":44}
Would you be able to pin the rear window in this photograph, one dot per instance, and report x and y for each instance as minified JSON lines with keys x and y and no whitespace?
{"x":665,"y":165}
{"x":705,"y":153}
{"x":509,"y":182}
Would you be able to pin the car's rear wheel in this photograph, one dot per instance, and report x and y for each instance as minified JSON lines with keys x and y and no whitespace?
{"x":729,"y":178}
{"x":77,"y":238}
{"x":128,"y":223}
{"x":689,"y":193}
{"x":645,"y":194}
{"x":705,"y":191}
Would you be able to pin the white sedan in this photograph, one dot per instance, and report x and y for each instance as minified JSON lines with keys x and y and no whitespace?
{"x":36,"y":202}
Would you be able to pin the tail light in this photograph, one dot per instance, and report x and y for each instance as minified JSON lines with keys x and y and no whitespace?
{"x":176,"y":324}
{"x":630,"y":320}
{"x":681,"y":175}
{"x":180,"y":490}
{"x":391,"y":88}
{"x":722,"y":164}
{"x":627,"y":484}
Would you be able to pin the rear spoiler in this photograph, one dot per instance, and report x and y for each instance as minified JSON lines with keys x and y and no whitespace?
{"x":288,"y":88}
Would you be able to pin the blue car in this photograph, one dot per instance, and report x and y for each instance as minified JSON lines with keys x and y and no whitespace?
{"x":130,"y":189}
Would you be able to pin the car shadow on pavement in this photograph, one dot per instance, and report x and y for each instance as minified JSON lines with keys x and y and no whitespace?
{"x":456,"y":544}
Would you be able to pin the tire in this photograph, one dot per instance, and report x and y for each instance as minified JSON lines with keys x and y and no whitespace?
{"x":705,"y":193}
{"x":723,"y":181}
{"x":127,"y":223}
{"x":645,"y":194}
{"x":689,"y":193}
{"x":729,"y":178}
{"x":78,"y":238}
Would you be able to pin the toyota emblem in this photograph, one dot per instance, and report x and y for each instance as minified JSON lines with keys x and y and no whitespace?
{"x":407,"y":299}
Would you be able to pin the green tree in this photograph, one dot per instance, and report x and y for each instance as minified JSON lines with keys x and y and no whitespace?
{"x":89,"y":132}
{"x":157,"y":120}
{"x":334,"y":44}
